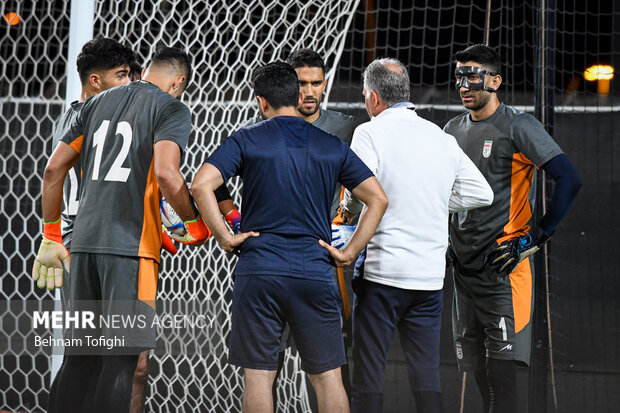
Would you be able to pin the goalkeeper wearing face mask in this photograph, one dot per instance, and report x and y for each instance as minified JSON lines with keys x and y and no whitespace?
{"x":491,"y":246}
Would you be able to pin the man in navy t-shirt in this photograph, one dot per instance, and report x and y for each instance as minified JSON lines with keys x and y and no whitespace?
{"x":290,"y":170}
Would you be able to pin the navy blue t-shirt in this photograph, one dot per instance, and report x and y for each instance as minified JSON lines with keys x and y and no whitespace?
{"x":290,"y":170}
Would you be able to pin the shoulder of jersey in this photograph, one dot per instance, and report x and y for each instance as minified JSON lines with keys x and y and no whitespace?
{"x":73,"y":110}
{"x":76,"y":106}
{"x":512,"y":116}
{"x":516,"y":114}
{"x":338,"y":115}
{"x":99,"y":96}
{"x":458,"y":118}
{"x":320,"y":131}
{"x":252,"y":123}
{"x":150,"y":89}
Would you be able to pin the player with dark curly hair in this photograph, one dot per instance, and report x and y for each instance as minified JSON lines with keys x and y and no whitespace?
{"x":491,"y":247}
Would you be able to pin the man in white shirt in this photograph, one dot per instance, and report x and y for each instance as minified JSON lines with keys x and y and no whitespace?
{"x":426,"y":176}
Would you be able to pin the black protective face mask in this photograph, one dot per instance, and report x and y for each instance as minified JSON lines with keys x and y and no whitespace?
{"x":465,"y":71}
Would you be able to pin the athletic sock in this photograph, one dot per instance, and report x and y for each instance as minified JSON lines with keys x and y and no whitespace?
{"x":74,"y":387}
{"x":115,"y":383}
{"x":502,"y":377}
{"x":483,"y":387}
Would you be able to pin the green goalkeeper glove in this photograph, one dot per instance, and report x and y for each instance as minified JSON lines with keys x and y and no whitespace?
{"x":48,"y":265}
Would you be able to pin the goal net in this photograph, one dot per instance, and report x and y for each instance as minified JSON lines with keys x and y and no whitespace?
{"x":227,"y":41}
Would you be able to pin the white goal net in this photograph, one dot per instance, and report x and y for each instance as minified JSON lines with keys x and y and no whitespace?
{"x":227,"y":41}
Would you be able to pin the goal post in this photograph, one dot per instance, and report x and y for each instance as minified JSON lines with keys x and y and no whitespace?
{"x":80,"y":31}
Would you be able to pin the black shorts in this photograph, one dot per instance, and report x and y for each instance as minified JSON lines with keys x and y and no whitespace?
{"x":116,"y":288}
{"x":491,"y":316}
{"x":262,"y":304}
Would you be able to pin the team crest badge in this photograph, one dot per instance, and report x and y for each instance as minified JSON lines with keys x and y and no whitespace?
{"x":486,"y":149}
{"x":459,"y":351}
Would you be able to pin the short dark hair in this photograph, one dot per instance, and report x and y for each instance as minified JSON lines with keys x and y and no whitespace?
{"x":175,"y":57}
{"x":277,"y":82}
{"x":102,"y":54}
{"x":305,"y":58}
{"x":135,"y":71}
{"x":482,"y":54}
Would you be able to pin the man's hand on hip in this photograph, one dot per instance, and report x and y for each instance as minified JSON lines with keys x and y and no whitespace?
{"x":340,"y":258}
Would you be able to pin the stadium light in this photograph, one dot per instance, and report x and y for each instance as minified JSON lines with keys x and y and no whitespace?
{"x":602,"y":74}
{"x":12,"y":18}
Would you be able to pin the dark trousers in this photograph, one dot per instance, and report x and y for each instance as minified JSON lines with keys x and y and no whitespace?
{"x":377,"y":312}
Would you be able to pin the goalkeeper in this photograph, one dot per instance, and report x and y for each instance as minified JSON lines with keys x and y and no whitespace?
{"x":491,"y":246}
{"x":115,"y":256}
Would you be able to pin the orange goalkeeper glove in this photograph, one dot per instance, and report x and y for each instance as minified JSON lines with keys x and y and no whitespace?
{"x":48,"y":265}
{"x":197,"y":232}
{"x":166,"y":242}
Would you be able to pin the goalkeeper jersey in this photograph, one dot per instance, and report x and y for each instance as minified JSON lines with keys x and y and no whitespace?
{"x":119,"y":196}
{"x":506,"y":147}
{"x":70,"y":200}
{"x":340,"y":125}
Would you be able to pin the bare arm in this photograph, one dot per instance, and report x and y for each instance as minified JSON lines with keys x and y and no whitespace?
{"x":167,"y":157}
{"x":205,"y":182}
{"x":226,"y":206}
{"x":47,"y":269}
{"x":62,"y":159}
{"x":371,"y":193}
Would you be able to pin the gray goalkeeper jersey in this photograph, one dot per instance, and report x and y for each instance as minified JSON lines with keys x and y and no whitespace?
{"x":506,"y":147}
{"x":119,"y":195}
{"x":342,"y":126}
{"x":70,"y":200}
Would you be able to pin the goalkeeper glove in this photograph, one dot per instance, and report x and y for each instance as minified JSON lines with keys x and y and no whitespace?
{"x":341,"y":235}
{"x":47,"y":269}
{"x":197,"y":232}
{"x":233,"y":219}
{"x":510,"y":253}
{"x":166,"y":242}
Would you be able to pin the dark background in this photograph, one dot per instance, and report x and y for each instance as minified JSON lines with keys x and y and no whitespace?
{"x":583,"y":276}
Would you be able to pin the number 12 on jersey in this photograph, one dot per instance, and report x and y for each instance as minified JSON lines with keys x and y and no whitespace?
{"x":117,"y":172}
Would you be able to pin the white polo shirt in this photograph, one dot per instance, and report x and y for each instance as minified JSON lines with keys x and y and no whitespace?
{"x":425,"y":176}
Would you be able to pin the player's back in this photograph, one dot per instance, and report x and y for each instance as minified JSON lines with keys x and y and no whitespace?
{"x":417,"y":164}
{"x":290,"y":170}
{"x":119,"y":211}
{"x":290,"y":158}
